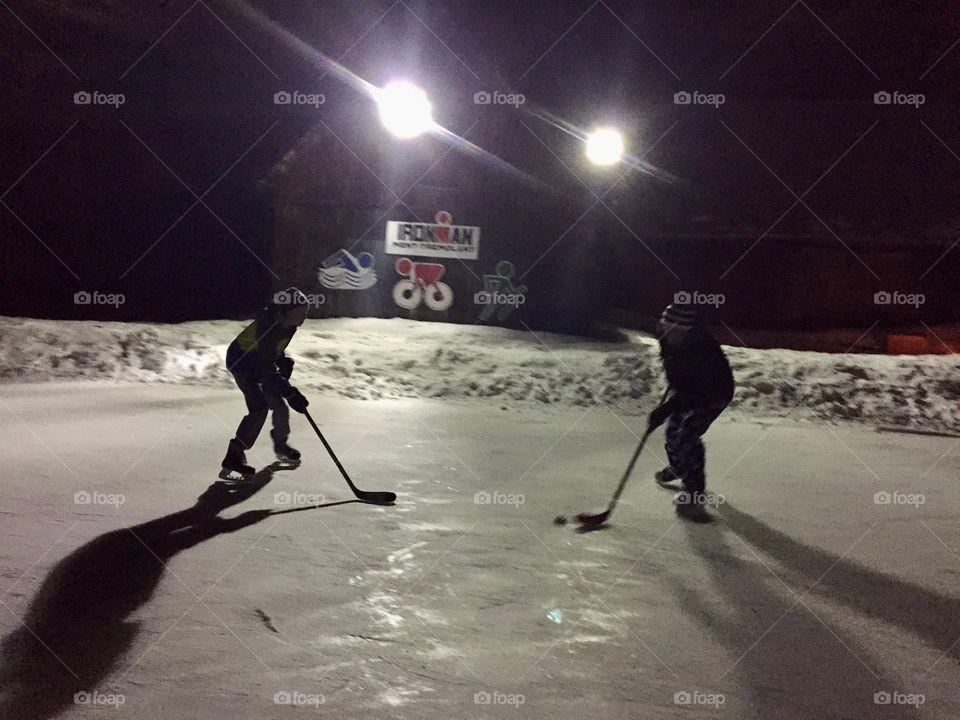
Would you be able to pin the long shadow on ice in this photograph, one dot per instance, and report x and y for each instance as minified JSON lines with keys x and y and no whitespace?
{"x":76,"y":628}
{"x":931,"y":616}
{"x":780,"y":660}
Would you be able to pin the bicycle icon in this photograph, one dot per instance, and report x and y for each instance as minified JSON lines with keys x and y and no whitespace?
{"x":422,"y":284}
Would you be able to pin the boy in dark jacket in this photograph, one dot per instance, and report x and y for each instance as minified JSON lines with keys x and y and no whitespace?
{"x":262,"y":370}
{"x":700,"y":388}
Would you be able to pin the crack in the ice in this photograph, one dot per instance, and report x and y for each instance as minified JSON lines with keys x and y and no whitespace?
{"x":372,"y":637}
{"x":423,"y":675}
{"x":265,"y":619}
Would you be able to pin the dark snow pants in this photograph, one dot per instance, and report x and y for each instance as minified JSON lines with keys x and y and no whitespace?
{"x":259,"y":402}
{"x":684,"y":447}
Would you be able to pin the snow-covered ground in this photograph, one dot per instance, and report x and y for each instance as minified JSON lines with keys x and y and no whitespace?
{"x":378,"y":359}
{"x":805,"y":599}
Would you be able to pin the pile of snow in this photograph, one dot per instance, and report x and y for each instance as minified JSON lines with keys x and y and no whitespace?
{"x":371,"y":358}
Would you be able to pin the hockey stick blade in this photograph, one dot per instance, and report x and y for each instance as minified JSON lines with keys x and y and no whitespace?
{"x":592,"y":522}
{"x":376,"y":497}
{"x":368,"y":496}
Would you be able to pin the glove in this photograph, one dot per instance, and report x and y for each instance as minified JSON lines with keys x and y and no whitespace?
{"x":285,"y":367}
{"x":297,"y":401}
{"x":658,"y":417}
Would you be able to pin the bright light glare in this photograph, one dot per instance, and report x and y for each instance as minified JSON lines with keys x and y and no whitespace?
{"x":604,"y":146}
{"x":405,"y":110}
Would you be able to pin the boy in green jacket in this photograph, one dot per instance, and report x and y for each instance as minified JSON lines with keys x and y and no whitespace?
{"x":262,"y":370}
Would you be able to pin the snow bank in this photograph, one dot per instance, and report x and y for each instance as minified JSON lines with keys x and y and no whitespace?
{"x":372,"y":359}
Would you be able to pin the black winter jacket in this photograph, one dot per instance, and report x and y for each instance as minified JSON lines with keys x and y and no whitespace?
{"x":697,"y":371}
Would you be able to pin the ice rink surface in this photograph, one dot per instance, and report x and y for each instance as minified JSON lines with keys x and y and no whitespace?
{"x":135,"y":586}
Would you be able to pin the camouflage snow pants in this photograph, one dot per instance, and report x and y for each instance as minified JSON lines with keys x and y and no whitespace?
{"x":684,"y":447}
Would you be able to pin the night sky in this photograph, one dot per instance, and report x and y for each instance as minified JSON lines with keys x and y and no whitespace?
{"x":161,"y":198}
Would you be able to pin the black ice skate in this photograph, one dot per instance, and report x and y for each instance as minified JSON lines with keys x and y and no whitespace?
{"x":285,"y":453}
{"x":234,"y":465}
{"x":667,"y":475}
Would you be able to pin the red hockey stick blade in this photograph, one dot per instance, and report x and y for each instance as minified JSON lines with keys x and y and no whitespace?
{"x":592,"y":522}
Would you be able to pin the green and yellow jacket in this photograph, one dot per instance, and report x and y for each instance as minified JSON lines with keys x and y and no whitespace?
{"x":259,"y":348}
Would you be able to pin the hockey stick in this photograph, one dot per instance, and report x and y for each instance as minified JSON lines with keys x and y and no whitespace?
{"x":593,"y":522}
{"x":370,"y":496}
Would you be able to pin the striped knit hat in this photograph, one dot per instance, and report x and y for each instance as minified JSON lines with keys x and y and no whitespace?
{"x":678,"y":316}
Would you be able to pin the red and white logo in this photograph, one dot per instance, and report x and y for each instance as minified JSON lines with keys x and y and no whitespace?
{"x":440,"y":239}
{"x":421,"y":284}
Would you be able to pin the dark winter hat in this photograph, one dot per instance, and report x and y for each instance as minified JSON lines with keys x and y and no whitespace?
{"x":679,"y":316}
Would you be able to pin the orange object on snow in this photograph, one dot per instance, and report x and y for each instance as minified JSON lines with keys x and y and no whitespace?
{"x":907,"y":345}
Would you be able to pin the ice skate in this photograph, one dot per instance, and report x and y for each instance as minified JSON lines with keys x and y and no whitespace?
{"x":234,"y":465}
{"x":666,"y":475}
{"x":285,"y":453}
